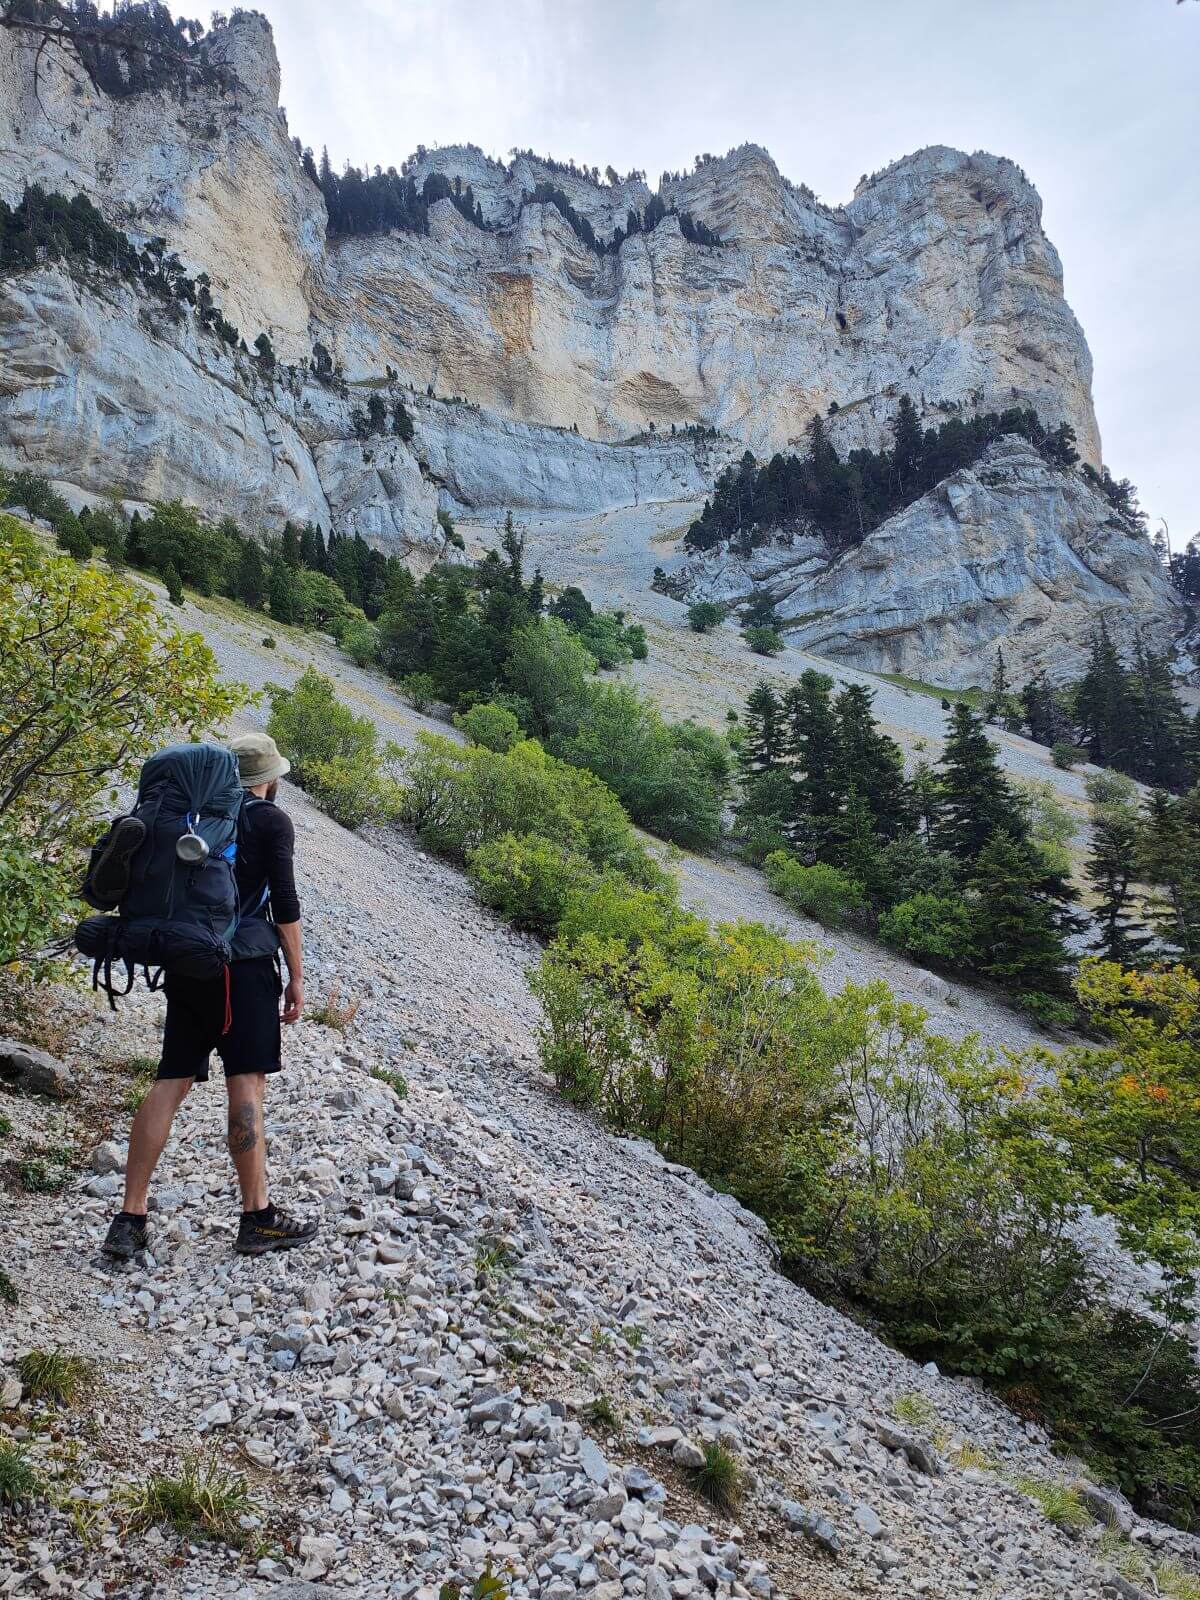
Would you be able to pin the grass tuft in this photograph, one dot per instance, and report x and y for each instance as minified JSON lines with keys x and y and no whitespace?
{"x":39,"y":1176}
{"x":719,"y":1480}
{"x":396,"y":1081}
{"x":8,"y":1289}
{"x":492,"y":1259}
{"x":915,"y":1409}
{"x":18,"y":1480}
{"x":1060,"y":1503}
{"x":601,"y":1413}
{"x":204,"y":1500}
{"x":142,"y":1071}
{"x":1176,"y":1583}
{"x":53,"y":1375}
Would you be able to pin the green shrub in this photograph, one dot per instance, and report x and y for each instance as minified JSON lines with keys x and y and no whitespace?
{"x":419,"y":690}
{"x":704,"y":616}
{"x":396,"y":1081}
{"x":312,"y":727}
{"x":671,"y":777}
{"x":458,"y":798}
{"x":492,"y":726}
{"x":824,"y":893}
{"x":8,"y":1290}
{"x":1047,"y":1010}
{"x":73,"y":538}
{"x":528,"y":880}
{"x":1065,"y":755}
{"x":360,"y":640}
{"x":930,"y":929}
{"x":268,"y":640}
{"x":763,"y":640}
{"x":333,"y":752}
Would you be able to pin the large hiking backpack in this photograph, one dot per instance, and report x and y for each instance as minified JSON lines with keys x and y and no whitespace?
{"x":176,"y":905}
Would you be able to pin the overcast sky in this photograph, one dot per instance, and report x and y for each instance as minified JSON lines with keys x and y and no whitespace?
{"x":1098,"y":100}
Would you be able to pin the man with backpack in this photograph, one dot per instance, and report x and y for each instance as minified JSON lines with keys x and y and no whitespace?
{"x":237,"y":1012}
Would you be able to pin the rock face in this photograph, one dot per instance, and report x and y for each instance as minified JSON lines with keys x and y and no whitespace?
{"x":1010,"y":553}
{"x":567,"y":368}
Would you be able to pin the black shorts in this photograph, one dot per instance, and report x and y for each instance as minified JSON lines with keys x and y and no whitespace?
{"x":196,"y":1017}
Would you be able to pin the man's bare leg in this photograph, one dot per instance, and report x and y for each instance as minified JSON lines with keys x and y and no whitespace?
{"x":247,"y":1144}
{"x":147,"y":1139}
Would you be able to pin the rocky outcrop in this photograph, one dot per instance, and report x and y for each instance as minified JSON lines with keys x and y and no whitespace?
{"x":1010,"y":553}
{"x":566,"y":370}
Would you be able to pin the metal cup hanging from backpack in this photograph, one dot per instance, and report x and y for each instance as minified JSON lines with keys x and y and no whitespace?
{"x":190,"y":847}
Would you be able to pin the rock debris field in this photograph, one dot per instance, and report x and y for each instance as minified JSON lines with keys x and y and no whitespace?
{"x":511,"y":1344}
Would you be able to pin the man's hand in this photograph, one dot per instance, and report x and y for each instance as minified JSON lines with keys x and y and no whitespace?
{"x":293,"y":1000}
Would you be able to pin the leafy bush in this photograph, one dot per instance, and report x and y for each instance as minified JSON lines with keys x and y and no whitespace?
{"x":763,"y":640}
{"x":931,"y":929}
{"x":360,"y":640}
{"x":671,"y":777}
{"x":821,"y":892}
{"x":492,"y":726}
{"x":1065,"y":755}
{"x":1047,"y":1010}
{"x":528,"y":880}
{"x":459,"y":798}
{"x":704,"y":616}
{"x":333,"y":752}
{"x":92,"y":679}
{"x":419,"y":690}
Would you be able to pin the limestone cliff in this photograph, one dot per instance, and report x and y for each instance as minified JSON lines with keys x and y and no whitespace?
{"x":1012,"y":553}
{"x":568,"y":366}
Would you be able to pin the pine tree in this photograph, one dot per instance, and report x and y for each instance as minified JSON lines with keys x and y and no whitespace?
{"x":172,"y":583}
{"x":975,"y":799}
{"x":907,"y":446}
{"x":290,"y":547}
{"x":1170,"y":862}
{"x":1015,"y":939}
{"x":1111,"y":865}
{"x":1161,"y":727}
{"x":853,"y":845}
{"x":249,"y":581}
{"x":871,"y":763}
{"x":1044,"y":712}
{"x":812,"y":745}
{"x":1104,"y":708}
{"x":282,"y":593}
{"x":764,"y":745}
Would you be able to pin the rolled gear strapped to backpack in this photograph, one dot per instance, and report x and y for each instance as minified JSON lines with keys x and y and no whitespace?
{"x":177,"y":910}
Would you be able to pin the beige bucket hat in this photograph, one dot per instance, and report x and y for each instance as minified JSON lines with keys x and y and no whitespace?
{"x":259,"y":760}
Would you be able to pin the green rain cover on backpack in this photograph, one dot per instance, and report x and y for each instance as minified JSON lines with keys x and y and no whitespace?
{"x":174,"y":915}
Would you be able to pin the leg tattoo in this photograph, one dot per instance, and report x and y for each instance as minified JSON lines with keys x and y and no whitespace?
{"x":243,"y":1134}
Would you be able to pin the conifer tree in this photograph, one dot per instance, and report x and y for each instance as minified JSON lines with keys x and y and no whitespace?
{"x":871,"y":763}
{"x":975,"y":799}
{"x":1111,"y":866}
{"x":281,"y":592}
{"x":1170,"y":861}
{"x":290,"y":547}
{"x":250,"y":579}
{"x":1160,"y":725}
{"x":1103,"y":707}
{"x":1015,"y":939}
{"x":853,"y":845}
{"x":764,"y":744}
{"x":812,"y":745}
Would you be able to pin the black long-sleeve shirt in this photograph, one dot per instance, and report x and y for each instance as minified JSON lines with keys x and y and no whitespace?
{"x":266,"y":845}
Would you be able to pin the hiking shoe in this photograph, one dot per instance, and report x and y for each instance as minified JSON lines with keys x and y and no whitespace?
{"x":109,"y":878}
{"x":260,"y":1231}
{"x":126,"y":1236}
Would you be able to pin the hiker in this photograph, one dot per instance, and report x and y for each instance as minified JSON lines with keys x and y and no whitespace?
{"x":236,"y":1014}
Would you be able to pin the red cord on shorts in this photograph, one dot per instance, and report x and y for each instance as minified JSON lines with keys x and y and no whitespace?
{"x":228,"y":1006}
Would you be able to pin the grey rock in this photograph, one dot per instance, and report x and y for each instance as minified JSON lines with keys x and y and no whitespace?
{"x":24,"y":1067}
{"x":868,"y":1520}
{"x":1108,"y":1506}
{"x":686,"y":1454}
{"x":107,"y":1157}
{"x":814,"y":1527}
{"x":920,"y":1452}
